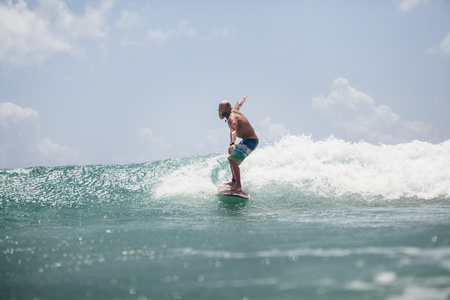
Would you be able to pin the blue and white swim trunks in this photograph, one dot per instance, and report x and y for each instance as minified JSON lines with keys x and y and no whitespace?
{"x":243,"y":149}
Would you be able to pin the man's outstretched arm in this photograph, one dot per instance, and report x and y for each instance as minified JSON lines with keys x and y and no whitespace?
{"x":240,"y":102}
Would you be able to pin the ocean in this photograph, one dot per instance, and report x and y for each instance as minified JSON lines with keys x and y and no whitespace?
{"x":326,"y":219}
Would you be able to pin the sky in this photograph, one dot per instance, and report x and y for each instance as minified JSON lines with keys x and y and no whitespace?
{"x":118,"y":82}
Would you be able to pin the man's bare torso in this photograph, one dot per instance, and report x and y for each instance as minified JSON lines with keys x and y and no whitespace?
{"x":244,"y":128}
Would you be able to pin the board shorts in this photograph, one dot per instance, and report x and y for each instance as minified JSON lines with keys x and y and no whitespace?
{"x":243,"y":149}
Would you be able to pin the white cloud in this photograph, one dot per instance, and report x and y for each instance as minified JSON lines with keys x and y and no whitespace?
{"x":128,"y":19}
{"x":185,"y":30}
{"x":20,"y":144}
{"x":25,"y":37}
{"x":56,"y":154}
{"x":445,"y":45}
{"x":143,"y":145}
{"x":11,"y":113}
{"x":31,"y":36}
{"x":222,"y":33}
{"x":92,"y":24}
{"x":407,"y":5}
{"x":356,"y":114}
{"x":217,"y":137}
{"x":148,"y":135}
{"x":272,"y":130}
{"x":129,"y":42}
{"x":182,"y":30}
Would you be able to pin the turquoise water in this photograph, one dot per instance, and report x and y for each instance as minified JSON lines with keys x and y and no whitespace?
{"x":326,"y":220}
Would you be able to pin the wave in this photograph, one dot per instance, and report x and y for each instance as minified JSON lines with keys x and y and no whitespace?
{"x":327,"y":168}
{"x":296,"y":168}
{"x":334,"y":167}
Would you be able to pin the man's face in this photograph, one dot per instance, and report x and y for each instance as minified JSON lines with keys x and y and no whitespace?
{"x":222,"y":110}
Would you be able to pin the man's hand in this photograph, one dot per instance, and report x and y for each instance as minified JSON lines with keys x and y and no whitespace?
{"x":231,"y":149}
{"x":240,"y":102}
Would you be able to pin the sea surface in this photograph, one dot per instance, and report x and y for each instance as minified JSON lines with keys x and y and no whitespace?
{"x":326,"y":220}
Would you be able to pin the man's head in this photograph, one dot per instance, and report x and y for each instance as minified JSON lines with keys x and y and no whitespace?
{"x":224,"y":109}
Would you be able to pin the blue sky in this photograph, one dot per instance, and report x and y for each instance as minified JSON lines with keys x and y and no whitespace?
{"x":102,"y":82}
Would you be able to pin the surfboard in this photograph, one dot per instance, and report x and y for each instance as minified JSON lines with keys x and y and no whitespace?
{"x":225,"y":190}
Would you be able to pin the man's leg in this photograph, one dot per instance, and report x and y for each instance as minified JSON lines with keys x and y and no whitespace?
{"x":236,"y":174}
{"x":233,"y":180}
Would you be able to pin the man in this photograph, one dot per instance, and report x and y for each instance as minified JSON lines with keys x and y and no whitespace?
{"x":239,"y":128}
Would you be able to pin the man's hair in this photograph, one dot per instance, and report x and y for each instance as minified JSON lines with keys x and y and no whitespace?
{"x":227,"y":103}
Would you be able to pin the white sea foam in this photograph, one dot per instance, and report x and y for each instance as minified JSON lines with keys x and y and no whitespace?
{"x":193,"y":179}
{"x":420,"y":293}
{"x":334,"y":167}
{"x":329,"y":168}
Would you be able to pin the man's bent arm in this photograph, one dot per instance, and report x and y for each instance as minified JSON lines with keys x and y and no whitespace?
{"x":233,"y":130}
{"x":233,"y":135}
{"x":240,"y":102}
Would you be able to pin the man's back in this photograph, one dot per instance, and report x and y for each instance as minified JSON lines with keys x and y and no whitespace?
{"x":244,"y":128}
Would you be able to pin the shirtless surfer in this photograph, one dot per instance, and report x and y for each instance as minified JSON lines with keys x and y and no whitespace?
{"x":239,"y":128}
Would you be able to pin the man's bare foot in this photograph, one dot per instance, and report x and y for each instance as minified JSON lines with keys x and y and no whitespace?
{"x":236,"y":189}
{"x":231,"y":183}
